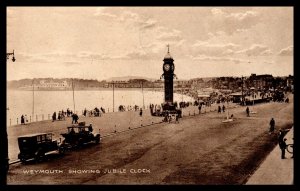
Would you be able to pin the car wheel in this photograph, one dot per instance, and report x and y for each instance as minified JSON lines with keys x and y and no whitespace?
{"x":61,"y":150}
{"x":39,"y":155}
{"x":23,"y":160}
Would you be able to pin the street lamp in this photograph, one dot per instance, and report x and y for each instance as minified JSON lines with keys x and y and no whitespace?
{"x":143,"y":94}
{"x":4,"y":160}
{"x":13,"y":54}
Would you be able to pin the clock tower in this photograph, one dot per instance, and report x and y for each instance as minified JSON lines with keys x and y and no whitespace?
{"x":168,"y":75}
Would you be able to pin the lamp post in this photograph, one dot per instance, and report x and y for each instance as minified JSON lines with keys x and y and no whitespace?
{"x":143,"y":94}
{"x":113,"y":83}
{"x":4,"y":160}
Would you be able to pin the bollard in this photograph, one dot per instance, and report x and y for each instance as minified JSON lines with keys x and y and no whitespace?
{"x":189,"y":113}
{"x":9,"y":122}
{"x":107,"y":110}
{"x":17,"y":121}
{"x":115,"y":128}
{"x":42,"y":117}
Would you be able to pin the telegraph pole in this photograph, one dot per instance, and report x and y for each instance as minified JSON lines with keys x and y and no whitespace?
{"x":4,"y":146}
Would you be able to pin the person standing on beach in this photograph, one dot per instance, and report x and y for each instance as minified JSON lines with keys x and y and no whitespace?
{"x":272,"y":125}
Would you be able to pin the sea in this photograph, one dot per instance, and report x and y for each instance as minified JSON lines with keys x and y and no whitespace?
{"x":40,"y":105}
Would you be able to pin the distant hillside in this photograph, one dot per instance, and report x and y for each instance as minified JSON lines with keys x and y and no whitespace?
{"x":127,"y":78}
{"x":53,"y":83}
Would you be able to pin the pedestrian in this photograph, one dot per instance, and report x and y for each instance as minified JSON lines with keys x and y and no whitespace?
{"x":199,"y":108}
{"x":177,"y":118}
{"x":283,"y":146}
{"x":141,"y":112}
{"x":68,"y":112}
{"x":75,"y":118}
{"x":26,"y":119}
{"x":280,"y":136}
{"x":22,"y":120}
{"x":272,"y":125}
{"x":84,"y":112}
{"x":248,"y":112}
{"x":54,"y":116}
{"x":223,"y":108}
{"x":59,"y":115}
{"x":90,"y":128}
{"x":219,"y":109}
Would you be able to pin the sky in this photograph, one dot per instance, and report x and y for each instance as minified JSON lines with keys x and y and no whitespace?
{"x":104,"y":42}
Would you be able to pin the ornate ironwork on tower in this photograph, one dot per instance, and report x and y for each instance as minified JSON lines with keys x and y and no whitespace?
{"x":168,"y":75}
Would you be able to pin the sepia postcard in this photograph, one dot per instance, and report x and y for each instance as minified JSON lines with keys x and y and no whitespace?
{"x":150,"y":95}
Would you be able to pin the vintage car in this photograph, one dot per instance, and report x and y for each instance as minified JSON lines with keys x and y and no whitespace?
{"x":36,"y":146}
{"x":79,"y":135}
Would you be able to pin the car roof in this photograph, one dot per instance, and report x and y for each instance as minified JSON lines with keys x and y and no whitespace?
{"x":33,"y":135}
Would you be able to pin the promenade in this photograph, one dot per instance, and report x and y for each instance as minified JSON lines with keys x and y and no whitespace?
{"x":274,"y":170}
{"x":200,"y":149}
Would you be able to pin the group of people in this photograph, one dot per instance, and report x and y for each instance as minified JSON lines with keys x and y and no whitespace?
{"x":95,"y":112}
{"x":60,"y":116}
{"x":221,"y":109}
{"x":24,"y":119}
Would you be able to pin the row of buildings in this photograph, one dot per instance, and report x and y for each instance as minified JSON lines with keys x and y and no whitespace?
{"x":195,"y":86}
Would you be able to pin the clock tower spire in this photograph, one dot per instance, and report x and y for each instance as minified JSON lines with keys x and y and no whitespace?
{"x":168,"y":75}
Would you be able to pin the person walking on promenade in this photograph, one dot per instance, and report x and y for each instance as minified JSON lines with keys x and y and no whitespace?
{"x":68,"y":112}
{"x":248,"y":112}
{"x":280,"y":136}
{"x":219,"y":109}
{"x":272,"y":125}
{"x":199,"y":108}
{"x":59,"y":116}
{"x":283,"y":146}
{"x":22,"y":120}
{"x":54,"y":116}
{"x":141,"y":112}
{"x":223,"y":108}
{"x":75,"y":118}
{"x":84,"y":112}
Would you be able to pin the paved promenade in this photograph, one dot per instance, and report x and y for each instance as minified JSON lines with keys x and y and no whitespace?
{"x":274,"y":170}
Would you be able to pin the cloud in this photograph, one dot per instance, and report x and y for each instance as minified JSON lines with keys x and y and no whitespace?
{"x":255,"y":50}
{"x":232,"y":22}
{"x":213,"y":49}
{"x":243,"y":16}
{"x":218,"y":59}
{"x":266,"y":52}
{"x":217,"y":12}
{"x":173,"y":35}
{"x":126,"y":17}
{"x":70,"y":63}
{"x":288,"y":51}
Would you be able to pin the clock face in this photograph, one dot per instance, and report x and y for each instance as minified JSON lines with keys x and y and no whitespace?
{"x":167,"y":67}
